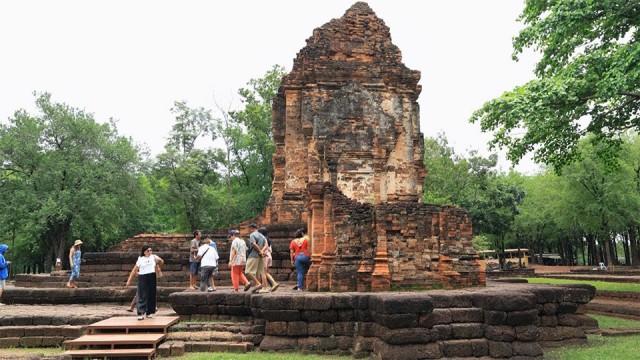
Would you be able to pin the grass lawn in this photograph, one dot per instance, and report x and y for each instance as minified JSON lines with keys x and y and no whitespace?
{"x":600,"y":348}
{"x":611,"y":322}
{"x":257,"y":356}
{"x":599,"y":285}
{"x":7,"y":353}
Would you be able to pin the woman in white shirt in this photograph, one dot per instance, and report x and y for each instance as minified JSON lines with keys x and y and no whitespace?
{"x":208,"y":257}
{"x":146,"y":269}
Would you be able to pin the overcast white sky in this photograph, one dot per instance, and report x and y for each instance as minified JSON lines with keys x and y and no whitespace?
{"x":131,"y":60}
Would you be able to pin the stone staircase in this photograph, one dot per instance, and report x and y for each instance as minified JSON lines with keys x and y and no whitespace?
{"x":237,"y":336}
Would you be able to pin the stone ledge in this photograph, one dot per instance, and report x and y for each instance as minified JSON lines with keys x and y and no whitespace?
{"x":511,"y":321}
{"x":94,"y":295}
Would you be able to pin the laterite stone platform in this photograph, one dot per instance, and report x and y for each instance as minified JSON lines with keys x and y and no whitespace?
{"x":503,"y":321}
{"x":122,"y":295}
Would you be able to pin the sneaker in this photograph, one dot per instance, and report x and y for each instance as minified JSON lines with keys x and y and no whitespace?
{"x":295,"y":287}
{"x":263,"y":291}
{"x":256,"y":289}
{"x":140,"y":317}
{"x":275,"y":287}
{"x":149,"y":316}
{"x":247,"y":286}
{"x":210,"y":289}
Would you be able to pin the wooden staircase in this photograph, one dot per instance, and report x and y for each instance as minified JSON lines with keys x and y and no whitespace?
{"x":121,"y":337}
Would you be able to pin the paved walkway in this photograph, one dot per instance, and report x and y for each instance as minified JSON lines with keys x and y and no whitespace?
{"x":75,"y":310}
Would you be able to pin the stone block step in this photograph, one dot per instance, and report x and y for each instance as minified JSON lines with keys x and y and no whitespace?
{"x":215,"y":336}
{"x":171,"y":348}
{"x":232,"y":327}
{"x":32,"y":341}
{"x":111,"y":353}
{"x":214,"y":346}
{"x":38,"y":335}
{"x":64,"y":331}
{"x":150,"y":340}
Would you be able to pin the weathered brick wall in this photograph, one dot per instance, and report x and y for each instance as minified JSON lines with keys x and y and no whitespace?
{"x":360,"y":246}
{"x":159,"y":242}
{"x":508,"y":322}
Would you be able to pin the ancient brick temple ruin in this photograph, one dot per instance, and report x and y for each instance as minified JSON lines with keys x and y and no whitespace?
{"x":349,"y":163}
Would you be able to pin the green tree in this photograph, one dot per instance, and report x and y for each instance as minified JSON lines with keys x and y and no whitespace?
{"x":448,"y":176}
{"x":587,"y":81}
{"x":184,"y":172}
{"x":474,"y":184}
{"x":64,"y":176}
{"x":203,"y":187}
{"x":249,"y":148}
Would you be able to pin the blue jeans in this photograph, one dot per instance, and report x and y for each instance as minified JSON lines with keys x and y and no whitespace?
{"x":302,"y":263}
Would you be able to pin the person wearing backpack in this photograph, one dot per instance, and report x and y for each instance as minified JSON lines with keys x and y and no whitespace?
{"x":208,"y":257}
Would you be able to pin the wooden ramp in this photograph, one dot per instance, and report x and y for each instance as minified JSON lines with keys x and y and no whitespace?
{"x":121,"y":337}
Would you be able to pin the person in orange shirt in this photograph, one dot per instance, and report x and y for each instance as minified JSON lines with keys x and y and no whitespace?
{"x":300,"y":257}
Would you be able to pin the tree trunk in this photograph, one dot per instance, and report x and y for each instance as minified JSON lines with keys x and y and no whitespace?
{"x":594,"y":256}
{"x":502,"y":256}
{"x":633,"y":243}
{"x":606,"y":247}
{"x":625,"y":247}
{"x":598,"y":250}
{"x":59,"y":233}
{"x":613,"y":248}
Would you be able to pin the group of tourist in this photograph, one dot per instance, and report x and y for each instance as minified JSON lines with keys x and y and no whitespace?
{"x":249,"y":264}
{"x":249,"y":261}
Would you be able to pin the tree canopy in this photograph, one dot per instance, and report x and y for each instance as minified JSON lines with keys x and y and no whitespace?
{"x":64,"y":175}
{"x":586,"y":214}
{"x":587,"y":82}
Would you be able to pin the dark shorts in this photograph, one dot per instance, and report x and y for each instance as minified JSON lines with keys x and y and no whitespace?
{"x":194,"y":267}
